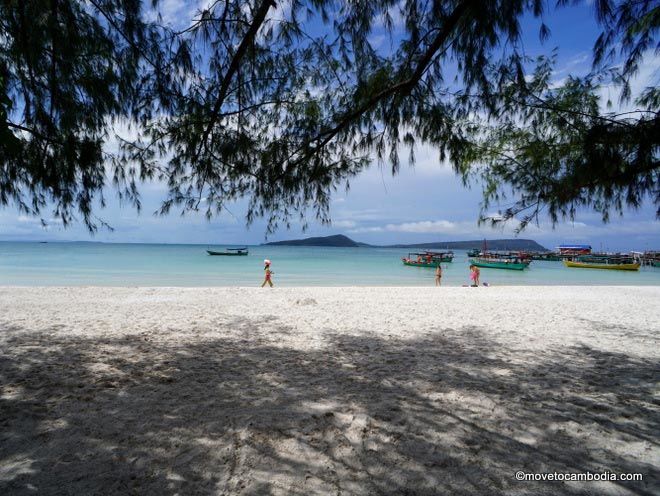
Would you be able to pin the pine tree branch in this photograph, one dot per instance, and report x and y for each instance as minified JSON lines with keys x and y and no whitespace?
{"x":258,"y":20}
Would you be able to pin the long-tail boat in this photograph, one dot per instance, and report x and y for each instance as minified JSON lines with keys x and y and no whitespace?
{"x":547,"y":257}
{"x":604,"y":261}
{"x":428,"y":258}
{"x":230,"y":252}
{"x":602,"y":265}
{"x":507,"y":261}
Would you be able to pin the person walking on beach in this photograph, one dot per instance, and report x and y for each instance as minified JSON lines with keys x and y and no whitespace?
{"x":268,"y":273}
{"x":474,"y":275}
{"x":438,"y":275}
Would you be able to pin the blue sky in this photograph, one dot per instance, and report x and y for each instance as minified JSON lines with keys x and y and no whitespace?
{"x":424,"y":203}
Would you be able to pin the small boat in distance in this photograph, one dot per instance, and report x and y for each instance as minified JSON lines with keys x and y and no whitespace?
{"x":230,"y":252}
{"x":428,"y":258}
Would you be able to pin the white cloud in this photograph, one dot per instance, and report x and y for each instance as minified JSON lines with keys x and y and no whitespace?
{"x":27,"y":220}
{"x":344,"y":224}
{"x":579,"y":65}
{"x":647,"y":75}
{"x":570,"y":231}
{"x":178,"y":14}
{"x":364,"y":215}
{"x":437,"y":226}
{"x":396,"y":14}
{"x":426,"y":226}
{"x":377,"y":40}
{"x":359,"y":230}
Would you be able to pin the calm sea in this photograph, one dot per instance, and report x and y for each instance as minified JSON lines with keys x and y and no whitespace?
{"x":100,"y":264}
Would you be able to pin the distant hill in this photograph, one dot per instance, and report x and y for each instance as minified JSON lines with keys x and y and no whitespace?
{"x":492,"y":244}
{"x":336,"y":240}
{"x":344,"y":241}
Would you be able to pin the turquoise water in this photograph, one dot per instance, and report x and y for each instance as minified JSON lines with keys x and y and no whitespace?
{"x":98,"y":264}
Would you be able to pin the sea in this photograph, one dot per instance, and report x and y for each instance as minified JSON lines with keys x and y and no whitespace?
{"x":106,"y":264}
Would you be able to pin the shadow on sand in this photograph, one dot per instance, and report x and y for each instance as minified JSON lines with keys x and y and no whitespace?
{"x":362,"y":415}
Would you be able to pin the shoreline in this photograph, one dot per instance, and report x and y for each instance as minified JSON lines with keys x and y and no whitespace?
{"x":311,"y":390}
{"x":258,"y":286}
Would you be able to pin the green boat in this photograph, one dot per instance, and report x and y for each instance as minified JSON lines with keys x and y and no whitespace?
{"x":474,"y":252}
{"x":430,"y":259}
{"x":546,"y":257}
{"x":656,"y":263}
{"x":498,"y":263}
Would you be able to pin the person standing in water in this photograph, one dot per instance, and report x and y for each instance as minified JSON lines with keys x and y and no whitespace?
{"x":268,"y":273}
{"x":438,"y":275}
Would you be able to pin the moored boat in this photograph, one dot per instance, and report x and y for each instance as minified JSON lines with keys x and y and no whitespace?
{"x":547,"y":257}
{"x":230,"y":252}
{"x":604,"y":264}
{"x":428,"y":258}
{"x":651,"y":258}
{"x":499,"y":263}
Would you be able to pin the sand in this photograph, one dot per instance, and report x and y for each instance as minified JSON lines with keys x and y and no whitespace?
{"x":315,"y":391}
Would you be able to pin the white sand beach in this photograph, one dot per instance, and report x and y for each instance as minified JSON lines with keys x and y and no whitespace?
{"x":315,"y":391}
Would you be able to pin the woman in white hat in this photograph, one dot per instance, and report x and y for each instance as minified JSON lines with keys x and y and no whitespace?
{"x":268,"y":274}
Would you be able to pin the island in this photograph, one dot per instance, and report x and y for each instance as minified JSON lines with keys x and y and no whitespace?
{"x":339,"y":240}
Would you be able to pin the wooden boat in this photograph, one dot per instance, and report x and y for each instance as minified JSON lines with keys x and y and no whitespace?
{"x":517,"y":256}
{"x":499,"y":263}
{"x":602,"y":265}
{"x":650,"y":258}
{"x":230,"y":252}
{"x":547,"y":257}
{"x":428,"y":258}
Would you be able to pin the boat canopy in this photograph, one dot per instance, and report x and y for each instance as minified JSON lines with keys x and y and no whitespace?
{"x":575,"y":247}
{"x":237,"y":249}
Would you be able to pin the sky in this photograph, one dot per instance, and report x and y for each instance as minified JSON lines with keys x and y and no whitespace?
{"x":424,"y":203}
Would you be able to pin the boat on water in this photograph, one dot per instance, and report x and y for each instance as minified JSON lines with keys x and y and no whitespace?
{"x":616,"y":261}
{"x":499,"y":260}
{"x":474,"y":252}
{"x":230,"y":252}
{"x":509,"y":263}
{"x":650,"y":258}
{"x":522,"y":256}
{"x":428,"y":258}
{"x":604,"y":264}
{"x":547,"y":257}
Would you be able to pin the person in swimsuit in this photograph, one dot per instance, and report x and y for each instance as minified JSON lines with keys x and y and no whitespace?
{"x":474,"y":276}
{"x":438,"y":275}
{"x":268,"y":273}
